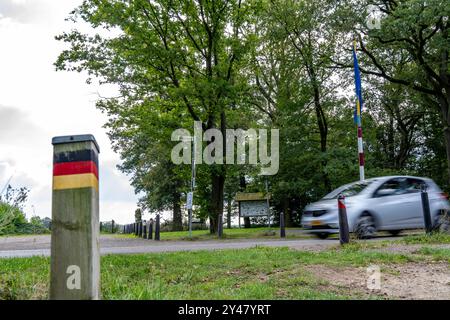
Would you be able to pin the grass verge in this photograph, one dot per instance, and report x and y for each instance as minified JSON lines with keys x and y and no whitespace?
{"x":257,"y":273}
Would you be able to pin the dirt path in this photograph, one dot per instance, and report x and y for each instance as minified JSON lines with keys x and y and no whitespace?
{"x":400,"y":281}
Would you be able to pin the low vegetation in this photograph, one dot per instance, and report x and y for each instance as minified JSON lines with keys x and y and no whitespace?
{"x":257,"y":273}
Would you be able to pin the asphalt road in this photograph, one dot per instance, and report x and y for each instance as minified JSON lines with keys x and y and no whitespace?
{"x":27,"y":246}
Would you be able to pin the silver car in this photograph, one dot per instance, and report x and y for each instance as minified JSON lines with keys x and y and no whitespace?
{"x":386,"y":203}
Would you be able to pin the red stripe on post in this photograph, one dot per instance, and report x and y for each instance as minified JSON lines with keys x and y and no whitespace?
{"x":359,"y":132}
{"x":341,"y":204}
{"x":77,"y":167}
{"x":361,"y":159}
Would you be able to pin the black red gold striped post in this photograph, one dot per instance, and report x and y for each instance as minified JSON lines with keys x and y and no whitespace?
{"x":75,"y":256}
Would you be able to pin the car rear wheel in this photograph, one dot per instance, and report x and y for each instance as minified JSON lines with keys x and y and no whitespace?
{"x":365,"y":227}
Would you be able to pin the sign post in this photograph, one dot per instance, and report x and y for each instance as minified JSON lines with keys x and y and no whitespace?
{"x":75,"y":257}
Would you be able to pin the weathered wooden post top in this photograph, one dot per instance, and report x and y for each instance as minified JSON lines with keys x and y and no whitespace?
{"x":75,"y":258}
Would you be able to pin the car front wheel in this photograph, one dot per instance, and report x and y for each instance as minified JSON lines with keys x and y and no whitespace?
{"x":365,"y":227}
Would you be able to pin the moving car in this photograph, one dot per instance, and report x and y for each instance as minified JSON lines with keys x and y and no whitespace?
{"x":390,"y":203}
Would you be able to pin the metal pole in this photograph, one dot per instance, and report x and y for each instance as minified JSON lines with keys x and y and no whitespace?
{"x":192,"y":183}
{"x":359,"y":104}
{"x":344,"y":235}
{"x":268,"y":204}
{"x":426,"y":209}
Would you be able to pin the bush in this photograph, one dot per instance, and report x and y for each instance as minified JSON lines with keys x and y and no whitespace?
{"x":13,"y":221}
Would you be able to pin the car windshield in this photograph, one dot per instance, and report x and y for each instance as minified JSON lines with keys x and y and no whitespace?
{"x":348,"y":190}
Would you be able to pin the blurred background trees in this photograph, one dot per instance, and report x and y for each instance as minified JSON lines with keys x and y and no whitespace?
{"x":280,"y":64}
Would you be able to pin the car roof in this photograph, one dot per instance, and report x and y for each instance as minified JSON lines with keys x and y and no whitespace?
{"x":385,"y":178}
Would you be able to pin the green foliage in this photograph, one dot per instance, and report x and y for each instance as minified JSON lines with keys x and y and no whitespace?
{"x":268,"y":64}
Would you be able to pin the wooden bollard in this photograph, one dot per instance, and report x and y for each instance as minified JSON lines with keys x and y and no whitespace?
{"x":220,"y":227}
{"x":75,"y":255}
{"x":144,"y":233}
{"x":344,"y":236}
{"x":140,"y":230}
{"x":282,"y":227}
{"x":426,"y":210}
{"x":150,"y":230}
{"x":157,"y":227}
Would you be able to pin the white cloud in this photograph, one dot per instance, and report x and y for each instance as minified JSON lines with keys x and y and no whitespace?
{"x":38,"y":103}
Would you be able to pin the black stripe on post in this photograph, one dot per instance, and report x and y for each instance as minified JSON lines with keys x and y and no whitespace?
{"x":73,"y":156}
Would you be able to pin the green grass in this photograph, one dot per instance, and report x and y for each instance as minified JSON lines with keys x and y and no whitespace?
{"x":434,"y":238}
{"x":257,"y":273}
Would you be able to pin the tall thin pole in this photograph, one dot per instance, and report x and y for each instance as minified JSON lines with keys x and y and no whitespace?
{"x":268,"y":204}
{"x":359,"y":103}
{"x":192,"y":183}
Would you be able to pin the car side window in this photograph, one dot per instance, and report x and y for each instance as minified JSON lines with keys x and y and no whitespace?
{"x":391,"y":187}
{"x":414,"y":185}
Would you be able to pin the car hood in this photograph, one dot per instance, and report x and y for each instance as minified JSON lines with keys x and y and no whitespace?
{"x":325,"y":204}
{"x":330,"y":204}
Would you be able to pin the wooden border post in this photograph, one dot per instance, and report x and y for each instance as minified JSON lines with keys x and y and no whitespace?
{"x":75,"y":255}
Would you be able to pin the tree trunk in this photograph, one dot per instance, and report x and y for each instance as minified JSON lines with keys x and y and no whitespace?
{"x":323,"y":129}
{"x":444,"y":102}
{"x":216,"y":205}
{"x":177,"y":218}
{"x":287,"y":213}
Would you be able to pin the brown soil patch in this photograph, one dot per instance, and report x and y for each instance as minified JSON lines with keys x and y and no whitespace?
{"x":412,"y":281}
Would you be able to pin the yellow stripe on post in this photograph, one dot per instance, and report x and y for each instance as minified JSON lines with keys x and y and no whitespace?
{"x":75,"y":181}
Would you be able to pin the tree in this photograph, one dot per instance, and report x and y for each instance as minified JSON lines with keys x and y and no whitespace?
{"x":416,"y":31}
{"x":186,"y":52}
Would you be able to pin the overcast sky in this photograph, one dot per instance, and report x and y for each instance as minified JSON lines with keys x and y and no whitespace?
{"x":38,"y":103}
